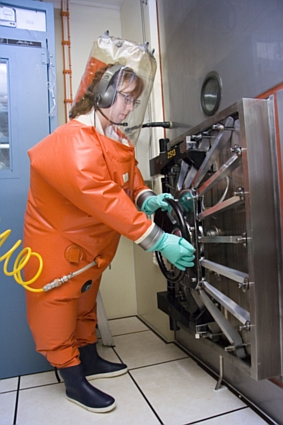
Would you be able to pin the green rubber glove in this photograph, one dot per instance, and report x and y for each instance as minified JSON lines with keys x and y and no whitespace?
{"x":153,"y":203}
{"x":187,"y":202}
{"x":177,"y":250}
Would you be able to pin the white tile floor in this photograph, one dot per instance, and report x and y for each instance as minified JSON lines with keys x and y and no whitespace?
{"x":163,"y":386}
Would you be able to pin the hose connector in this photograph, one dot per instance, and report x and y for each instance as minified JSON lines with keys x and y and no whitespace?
{"x":98,"y":261}
{"x":54,"y":284}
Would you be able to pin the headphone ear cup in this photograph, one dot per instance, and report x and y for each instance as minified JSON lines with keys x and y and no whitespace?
{"x":104,"y":93}
{"x":96,"y":97}
{"x":108,"y":98}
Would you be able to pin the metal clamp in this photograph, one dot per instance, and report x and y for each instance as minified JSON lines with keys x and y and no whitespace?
{"x":236,"y":149}
{"x":244,"y":285}
{"x":242,"y":239}
{"x":231,"y":348}
{"x":241,"y":193}
{"x":245,"y":328}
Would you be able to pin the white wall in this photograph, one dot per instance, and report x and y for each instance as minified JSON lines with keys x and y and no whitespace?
{"x":87,"y":23}
{"x":139,"y":24}
{"x":148,"y":278}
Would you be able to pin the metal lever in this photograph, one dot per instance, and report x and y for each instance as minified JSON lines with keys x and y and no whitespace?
{"x":232,"y":274}
{"x":231,"y":334}
{"x":222,"y":239}
{"x":220,"y":141}
{"x":222,"y":206}
{"x":235,"y":309}
{"x":223,"y":171}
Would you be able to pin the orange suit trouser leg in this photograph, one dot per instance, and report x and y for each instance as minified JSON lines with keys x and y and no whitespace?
{"x":61,"y":322}
{"x":87,"y":316}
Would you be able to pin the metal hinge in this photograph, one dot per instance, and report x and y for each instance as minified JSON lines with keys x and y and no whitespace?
{"x":46,"y":57}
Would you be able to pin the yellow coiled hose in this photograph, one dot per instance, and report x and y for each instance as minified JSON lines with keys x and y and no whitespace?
{"x":20,"y":262}
{"x":23,"y":258}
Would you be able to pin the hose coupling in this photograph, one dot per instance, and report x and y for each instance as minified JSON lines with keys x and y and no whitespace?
{"x":98,"y":261}
{"x":55,"y":283}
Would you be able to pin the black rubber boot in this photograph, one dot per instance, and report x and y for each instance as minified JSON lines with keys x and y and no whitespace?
{"x":79,"y":391}
{"x":96,"y":367}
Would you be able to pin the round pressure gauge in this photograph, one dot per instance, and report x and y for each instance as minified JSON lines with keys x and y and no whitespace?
{"x":211,"y":93}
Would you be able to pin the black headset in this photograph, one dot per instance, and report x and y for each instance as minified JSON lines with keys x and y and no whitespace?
{"x":104,"y":93}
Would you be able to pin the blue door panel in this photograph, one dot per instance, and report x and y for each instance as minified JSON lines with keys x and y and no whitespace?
{"x":29,"y":121}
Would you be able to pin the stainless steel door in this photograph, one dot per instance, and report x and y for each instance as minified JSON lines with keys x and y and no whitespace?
{"x":235,"y":228}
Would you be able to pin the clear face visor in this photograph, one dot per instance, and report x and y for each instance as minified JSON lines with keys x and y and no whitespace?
{"x":120,"y":100}
{"x":122,"y":88}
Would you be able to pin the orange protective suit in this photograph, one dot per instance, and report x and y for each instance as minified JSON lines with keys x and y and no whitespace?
{"x":81,"y":199}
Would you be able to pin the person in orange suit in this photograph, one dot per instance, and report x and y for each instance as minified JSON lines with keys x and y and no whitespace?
{"x":85,"y":192}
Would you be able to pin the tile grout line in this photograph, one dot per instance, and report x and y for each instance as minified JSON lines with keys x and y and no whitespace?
{"x":8,"y":391}
{"x":216,"y":416}
{"x":128,"y":333}
{"x":17,"y":401}
{"x":145,"y":398}
{"x":32,"y":387}
{"x":158,"y":363}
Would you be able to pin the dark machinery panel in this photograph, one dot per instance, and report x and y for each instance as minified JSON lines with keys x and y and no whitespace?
{"x":227,"y":164}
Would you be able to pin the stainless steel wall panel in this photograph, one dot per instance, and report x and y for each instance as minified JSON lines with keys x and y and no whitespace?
{"x":241,"y":40}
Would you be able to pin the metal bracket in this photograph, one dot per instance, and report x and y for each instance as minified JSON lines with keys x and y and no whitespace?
{"x":241,"y":193}
{"x":246,"y":327}
{"x":221,"y":373}
{"x":234,"y":347}
{"x":244,"y":285}
{"x":237,"y":150}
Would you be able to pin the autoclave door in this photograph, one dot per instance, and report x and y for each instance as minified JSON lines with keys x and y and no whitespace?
{"x":230,"y":300}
